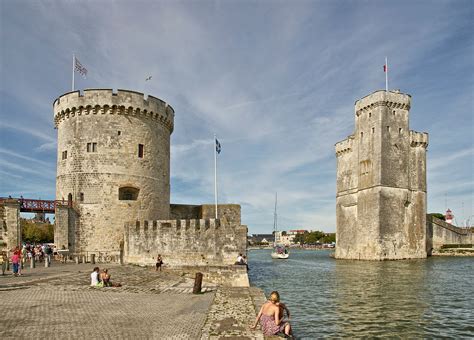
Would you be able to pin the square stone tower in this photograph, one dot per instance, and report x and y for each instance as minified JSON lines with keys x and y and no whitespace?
{"x":381,"y":183}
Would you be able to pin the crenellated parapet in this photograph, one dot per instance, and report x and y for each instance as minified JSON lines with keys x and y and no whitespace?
{"x":107,"y":102}
{"x":391,"y":99}
{"x":418,"y":139}
{"x":186,"y":242}
{"x":345,"y":146}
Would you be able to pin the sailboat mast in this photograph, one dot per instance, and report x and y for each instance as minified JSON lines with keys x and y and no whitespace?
{"x":275,"y":223}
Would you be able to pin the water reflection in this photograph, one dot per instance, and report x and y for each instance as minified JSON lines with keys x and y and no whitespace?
{"x":380,"y":298}
{"x":401,"y":299}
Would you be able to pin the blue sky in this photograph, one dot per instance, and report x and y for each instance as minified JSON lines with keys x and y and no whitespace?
{"x":275,"y":80}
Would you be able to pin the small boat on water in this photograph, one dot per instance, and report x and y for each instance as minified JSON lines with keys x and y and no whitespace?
{"x":279,"y":251}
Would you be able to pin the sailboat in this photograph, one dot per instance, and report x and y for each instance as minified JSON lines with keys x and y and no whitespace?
{"x":279,"y":251}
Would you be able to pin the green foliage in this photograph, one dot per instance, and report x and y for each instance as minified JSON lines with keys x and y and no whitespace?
{"x":37,"y":232}
{"x":314,"y":237}
{"x":438,"y":215}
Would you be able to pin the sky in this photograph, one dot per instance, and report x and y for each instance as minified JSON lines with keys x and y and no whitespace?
{"x":275,"y":80}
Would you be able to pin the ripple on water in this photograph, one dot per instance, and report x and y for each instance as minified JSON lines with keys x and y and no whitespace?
{"x":400,"y":299}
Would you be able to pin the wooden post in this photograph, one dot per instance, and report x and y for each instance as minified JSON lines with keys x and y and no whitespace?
{"x":197,"y":283}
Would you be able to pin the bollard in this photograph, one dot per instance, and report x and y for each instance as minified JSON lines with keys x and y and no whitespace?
{"x":92,"y":258}
{"x":77,"y":259}
{"x":32,"y":262}
{"x":22,"y":264}
{"x":197,"y":283}
{"x":46,"y":262}
{"x":84,"y":259}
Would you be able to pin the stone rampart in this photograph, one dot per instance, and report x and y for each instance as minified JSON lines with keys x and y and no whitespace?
{"x":441,"y":233}
{"x":196,"y":242}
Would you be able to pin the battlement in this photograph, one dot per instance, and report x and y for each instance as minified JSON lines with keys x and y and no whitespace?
{"x":391,"y":99}
{"x":418,"y":139}
{"x":106,"y":101}
{"x":194,"y":242}
{"x":344,"y":146}
{"x":192,"y":225}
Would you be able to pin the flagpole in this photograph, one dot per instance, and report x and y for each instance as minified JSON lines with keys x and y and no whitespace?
{"x":386,"y":74}
{"x":73,"y":71}
{"x":215,"y":171}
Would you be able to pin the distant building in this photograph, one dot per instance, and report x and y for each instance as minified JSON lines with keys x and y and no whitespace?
{"x":257,"y":239}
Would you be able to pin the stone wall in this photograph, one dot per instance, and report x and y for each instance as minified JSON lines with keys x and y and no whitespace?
{"x":10,"y":233}
{"x":198,"y":242}
{"x":440,"y":233}
{"x":227,"y":213}
{"x":113,"y":163}
{"x":229,"y":276}
{"x":381,"y":183}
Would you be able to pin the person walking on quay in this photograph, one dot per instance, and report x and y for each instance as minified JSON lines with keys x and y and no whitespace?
{"x":3,"y":262}
{"x":16,"y":257}
{"x":159,"y":263}
{"x":271,"y":317}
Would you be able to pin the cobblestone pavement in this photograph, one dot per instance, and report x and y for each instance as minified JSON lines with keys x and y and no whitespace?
{"x":57,"y":302}
{"x":231,"y":315}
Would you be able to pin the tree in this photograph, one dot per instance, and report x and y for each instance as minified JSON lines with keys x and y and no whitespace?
{"x":438,"y":215}
{"x":36,"y":232}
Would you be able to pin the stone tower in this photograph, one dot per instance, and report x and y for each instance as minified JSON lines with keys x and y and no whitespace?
{"x":381,"y":183}
{"x":113,"y":165}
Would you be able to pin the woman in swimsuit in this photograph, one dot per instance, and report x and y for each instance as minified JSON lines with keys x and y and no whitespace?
{"x":271,"y":316}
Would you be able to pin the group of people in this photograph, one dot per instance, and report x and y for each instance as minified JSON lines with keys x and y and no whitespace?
{"x":242,"y":260}
{"x":20,"y":256}
{"x":39,"y":252}
{"x":272,"y":317}
{"x":102,"y":278}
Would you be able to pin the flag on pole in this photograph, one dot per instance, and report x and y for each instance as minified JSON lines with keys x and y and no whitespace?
{"x":79,"y":68}
{"x":218,"y":146}
{"x":385,"y":68}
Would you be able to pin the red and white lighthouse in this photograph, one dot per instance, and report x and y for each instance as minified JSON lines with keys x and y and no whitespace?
{"x":449,"y":217}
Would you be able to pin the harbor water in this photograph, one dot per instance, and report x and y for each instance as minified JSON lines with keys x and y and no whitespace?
{"x":331,"y":298}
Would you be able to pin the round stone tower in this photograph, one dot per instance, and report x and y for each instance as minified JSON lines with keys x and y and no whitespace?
{"x":113,"y":165}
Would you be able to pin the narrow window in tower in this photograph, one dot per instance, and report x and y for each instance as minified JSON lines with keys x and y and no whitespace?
{"x":81,"y":197}
{"x":91,"y":147}
{"x":393,"y":113}
{"x":373,"y":130}
{"x":64,"y":155}
{"x":140,"y":150}
{"x":119,"y":133}
{"x":370,"y":114}
{"x":400,"y":130}
{"x":128,"y":193}
{"x":388,"y":128}
{"x":361,"y":135}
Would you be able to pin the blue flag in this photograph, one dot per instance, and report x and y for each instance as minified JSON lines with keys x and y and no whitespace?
{"x":218,"y":146}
